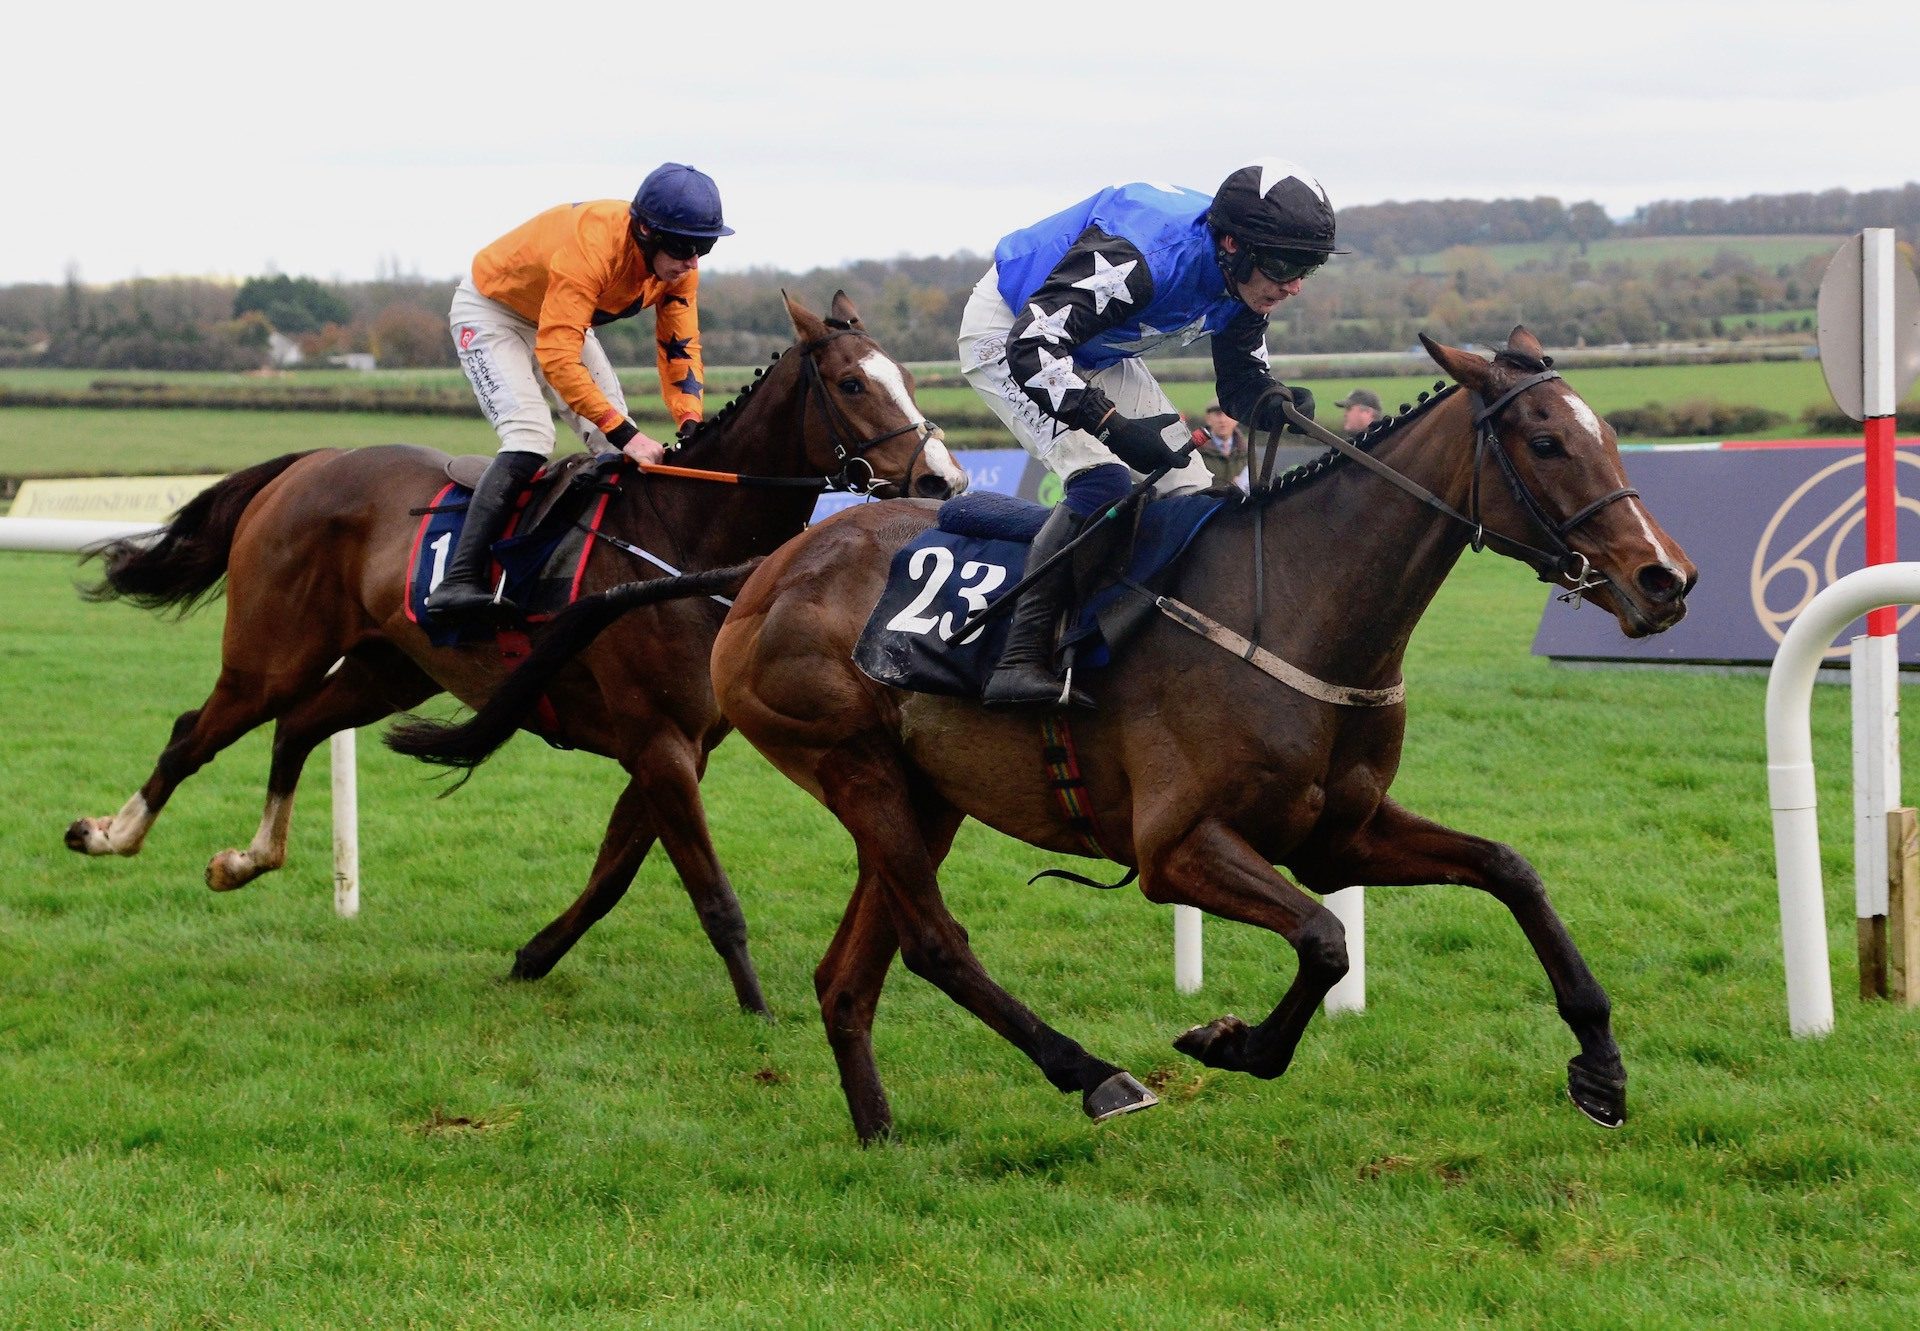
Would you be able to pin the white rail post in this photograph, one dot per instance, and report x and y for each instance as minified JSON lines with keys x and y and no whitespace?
{"x":1186,"y":949}
{"x":346,"y":827}
{"x":1349,"y":993}
{"x":1796,"y":832}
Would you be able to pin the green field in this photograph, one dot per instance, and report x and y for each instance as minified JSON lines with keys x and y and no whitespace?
{"x":238,"y":1111}
{"x":1646,"y":251}
{"x":74,"y":441}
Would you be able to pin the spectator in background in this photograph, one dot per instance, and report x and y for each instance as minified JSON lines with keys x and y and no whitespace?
{"x":1222,"y":445}
{"x":1363,"y":409}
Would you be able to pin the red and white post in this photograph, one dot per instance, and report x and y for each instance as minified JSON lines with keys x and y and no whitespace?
{"x":1876,"y":656}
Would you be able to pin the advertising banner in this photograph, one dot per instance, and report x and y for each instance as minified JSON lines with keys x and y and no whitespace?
{"x":1769,"y":526}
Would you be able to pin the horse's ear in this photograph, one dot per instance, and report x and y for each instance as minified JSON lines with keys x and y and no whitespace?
{"x":1462,"y":366}
{"x":806,"y":324}
{"x":1525,"y":343}
{"x":843,"y":311}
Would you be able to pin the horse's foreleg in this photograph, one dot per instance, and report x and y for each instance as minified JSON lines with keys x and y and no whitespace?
{"x":1214,"y":869}
{"x":866,"y":788}
{"x":672,"y":770}
{"x":1401,"y":848}
{"x":630,"y":835}
{"x":370,"y":684}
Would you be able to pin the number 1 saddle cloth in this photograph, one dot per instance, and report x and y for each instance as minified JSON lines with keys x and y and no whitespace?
{"x":977,"y":550}
{"x":543,"y":551}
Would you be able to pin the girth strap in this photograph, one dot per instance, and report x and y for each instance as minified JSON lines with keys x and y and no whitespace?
{"x":1266,"y":662}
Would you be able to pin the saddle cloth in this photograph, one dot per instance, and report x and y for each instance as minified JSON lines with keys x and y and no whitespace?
{"x":977,"y":551}
{"x":543,"y":556}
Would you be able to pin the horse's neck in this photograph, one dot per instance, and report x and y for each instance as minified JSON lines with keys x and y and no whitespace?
{"x":1351,"y":562}
{"x":709,"y":523}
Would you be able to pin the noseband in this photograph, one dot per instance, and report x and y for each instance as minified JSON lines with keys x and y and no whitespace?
{"x":849,"y":450}
{"x":1570,"y":567}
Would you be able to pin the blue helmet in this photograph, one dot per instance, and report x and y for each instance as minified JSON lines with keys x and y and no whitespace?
{"x":681,"y":200}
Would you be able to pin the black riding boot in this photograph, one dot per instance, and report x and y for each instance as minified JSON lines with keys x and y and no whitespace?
{"x":463,"y":596}
{"x":1025,"y":674}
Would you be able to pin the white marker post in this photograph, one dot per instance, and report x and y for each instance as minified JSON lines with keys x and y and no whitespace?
{"x":1867,"y":313}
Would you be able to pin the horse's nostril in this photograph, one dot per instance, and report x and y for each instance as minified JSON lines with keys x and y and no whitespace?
{"x":1662,"y":583}
{"x":930,"y":487}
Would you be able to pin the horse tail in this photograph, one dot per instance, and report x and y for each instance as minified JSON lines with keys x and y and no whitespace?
{"x":184,"y":567}
{"x":472,"y":742}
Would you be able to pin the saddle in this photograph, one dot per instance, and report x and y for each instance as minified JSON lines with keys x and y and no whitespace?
{"x":543,"y":551}
{"x":976,"y":551}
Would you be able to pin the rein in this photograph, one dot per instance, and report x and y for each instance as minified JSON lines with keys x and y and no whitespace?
{"x":847,"y":451}
{"x":1568,"y":566}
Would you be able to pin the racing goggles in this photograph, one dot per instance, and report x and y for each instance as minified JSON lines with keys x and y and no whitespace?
{"x":680,"y":247}
{"x":1284,"y":266}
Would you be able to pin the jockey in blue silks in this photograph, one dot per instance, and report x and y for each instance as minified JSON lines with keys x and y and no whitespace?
{"x":1053,"y":335}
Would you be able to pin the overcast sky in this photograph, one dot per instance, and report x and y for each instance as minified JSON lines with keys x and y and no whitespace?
{"x":346,"y":139}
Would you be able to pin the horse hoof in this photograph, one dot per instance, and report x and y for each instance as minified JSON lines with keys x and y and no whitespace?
{"x":1117,"y":1095}
{"x":89,"y":836}
{"x":1601,"y":1096}
{"x":1221,"y":1043}
{"x":228,"y":870}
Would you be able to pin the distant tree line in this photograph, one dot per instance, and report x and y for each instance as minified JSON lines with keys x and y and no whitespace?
{"x":1427,"y":226}
{"x":1420,"y":267}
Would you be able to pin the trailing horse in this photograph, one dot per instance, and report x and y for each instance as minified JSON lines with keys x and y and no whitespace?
{"x":1328,"y":570}
{"x":315,"y":549}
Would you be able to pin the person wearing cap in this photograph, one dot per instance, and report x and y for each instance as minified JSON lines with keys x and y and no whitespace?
{"x":1222,"y":445}
{"x":1053,"y":334}
{"x":1363,"y":409}
{"x":523,"y":321}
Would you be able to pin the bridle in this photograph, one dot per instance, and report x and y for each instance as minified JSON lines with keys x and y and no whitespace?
{"x":849,"y":450}
{"x":1560,"y":562}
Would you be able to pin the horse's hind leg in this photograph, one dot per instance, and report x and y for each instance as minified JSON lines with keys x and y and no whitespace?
{"x":1401,"y":848}
{"x":866,"y":789}
{"x":238,"y":703}
{"x":370,"y":683}
{"x":1214,"y":869}
{"x":849,"y":979}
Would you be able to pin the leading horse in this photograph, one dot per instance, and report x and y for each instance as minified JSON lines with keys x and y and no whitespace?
{"x":1331,"y":567}
{"x":315,"y":550}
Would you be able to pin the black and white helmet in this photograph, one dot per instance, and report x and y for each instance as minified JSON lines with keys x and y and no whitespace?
{"x":1273,"y":204}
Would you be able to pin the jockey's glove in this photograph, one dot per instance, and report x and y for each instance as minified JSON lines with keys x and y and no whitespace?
{"x":1146,"y":444}
{"x":685,"y":432}
{"x":1273,"y":417}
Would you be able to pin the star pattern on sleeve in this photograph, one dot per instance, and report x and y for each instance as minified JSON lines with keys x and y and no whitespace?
{"x":690,"y":385}
{"x":1056,"y":378}
{"x":1051,"y":327}
{"x":675,"y":348}
{"x":1108,"y":282}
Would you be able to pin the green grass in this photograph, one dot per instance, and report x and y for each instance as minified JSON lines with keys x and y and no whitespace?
{"x":47,"y":441}
{"x":1647,"y":251}
{"x":238,"y":1111}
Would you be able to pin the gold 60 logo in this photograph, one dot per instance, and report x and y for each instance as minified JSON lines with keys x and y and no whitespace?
{"x":1799,"y":552}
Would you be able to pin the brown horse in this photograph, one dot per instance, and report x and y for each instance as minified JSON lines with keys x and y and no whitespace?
{"x":315,"y":550}
{"x":1330,"y":569}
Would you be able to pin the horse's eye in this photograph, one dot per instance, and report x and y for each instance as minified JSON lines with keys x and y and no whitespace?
{"x":852,"y":387}
{"x":1545,"y":446}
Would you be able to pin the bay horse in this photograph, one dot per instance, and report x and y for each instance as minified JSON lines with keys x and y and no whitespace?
{"x":315,"y":550}
{"x":1331,"y":567}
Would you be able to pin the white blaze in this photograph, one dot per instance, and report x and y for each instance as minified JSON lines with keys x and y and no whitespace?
{"x":881,"y":370}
